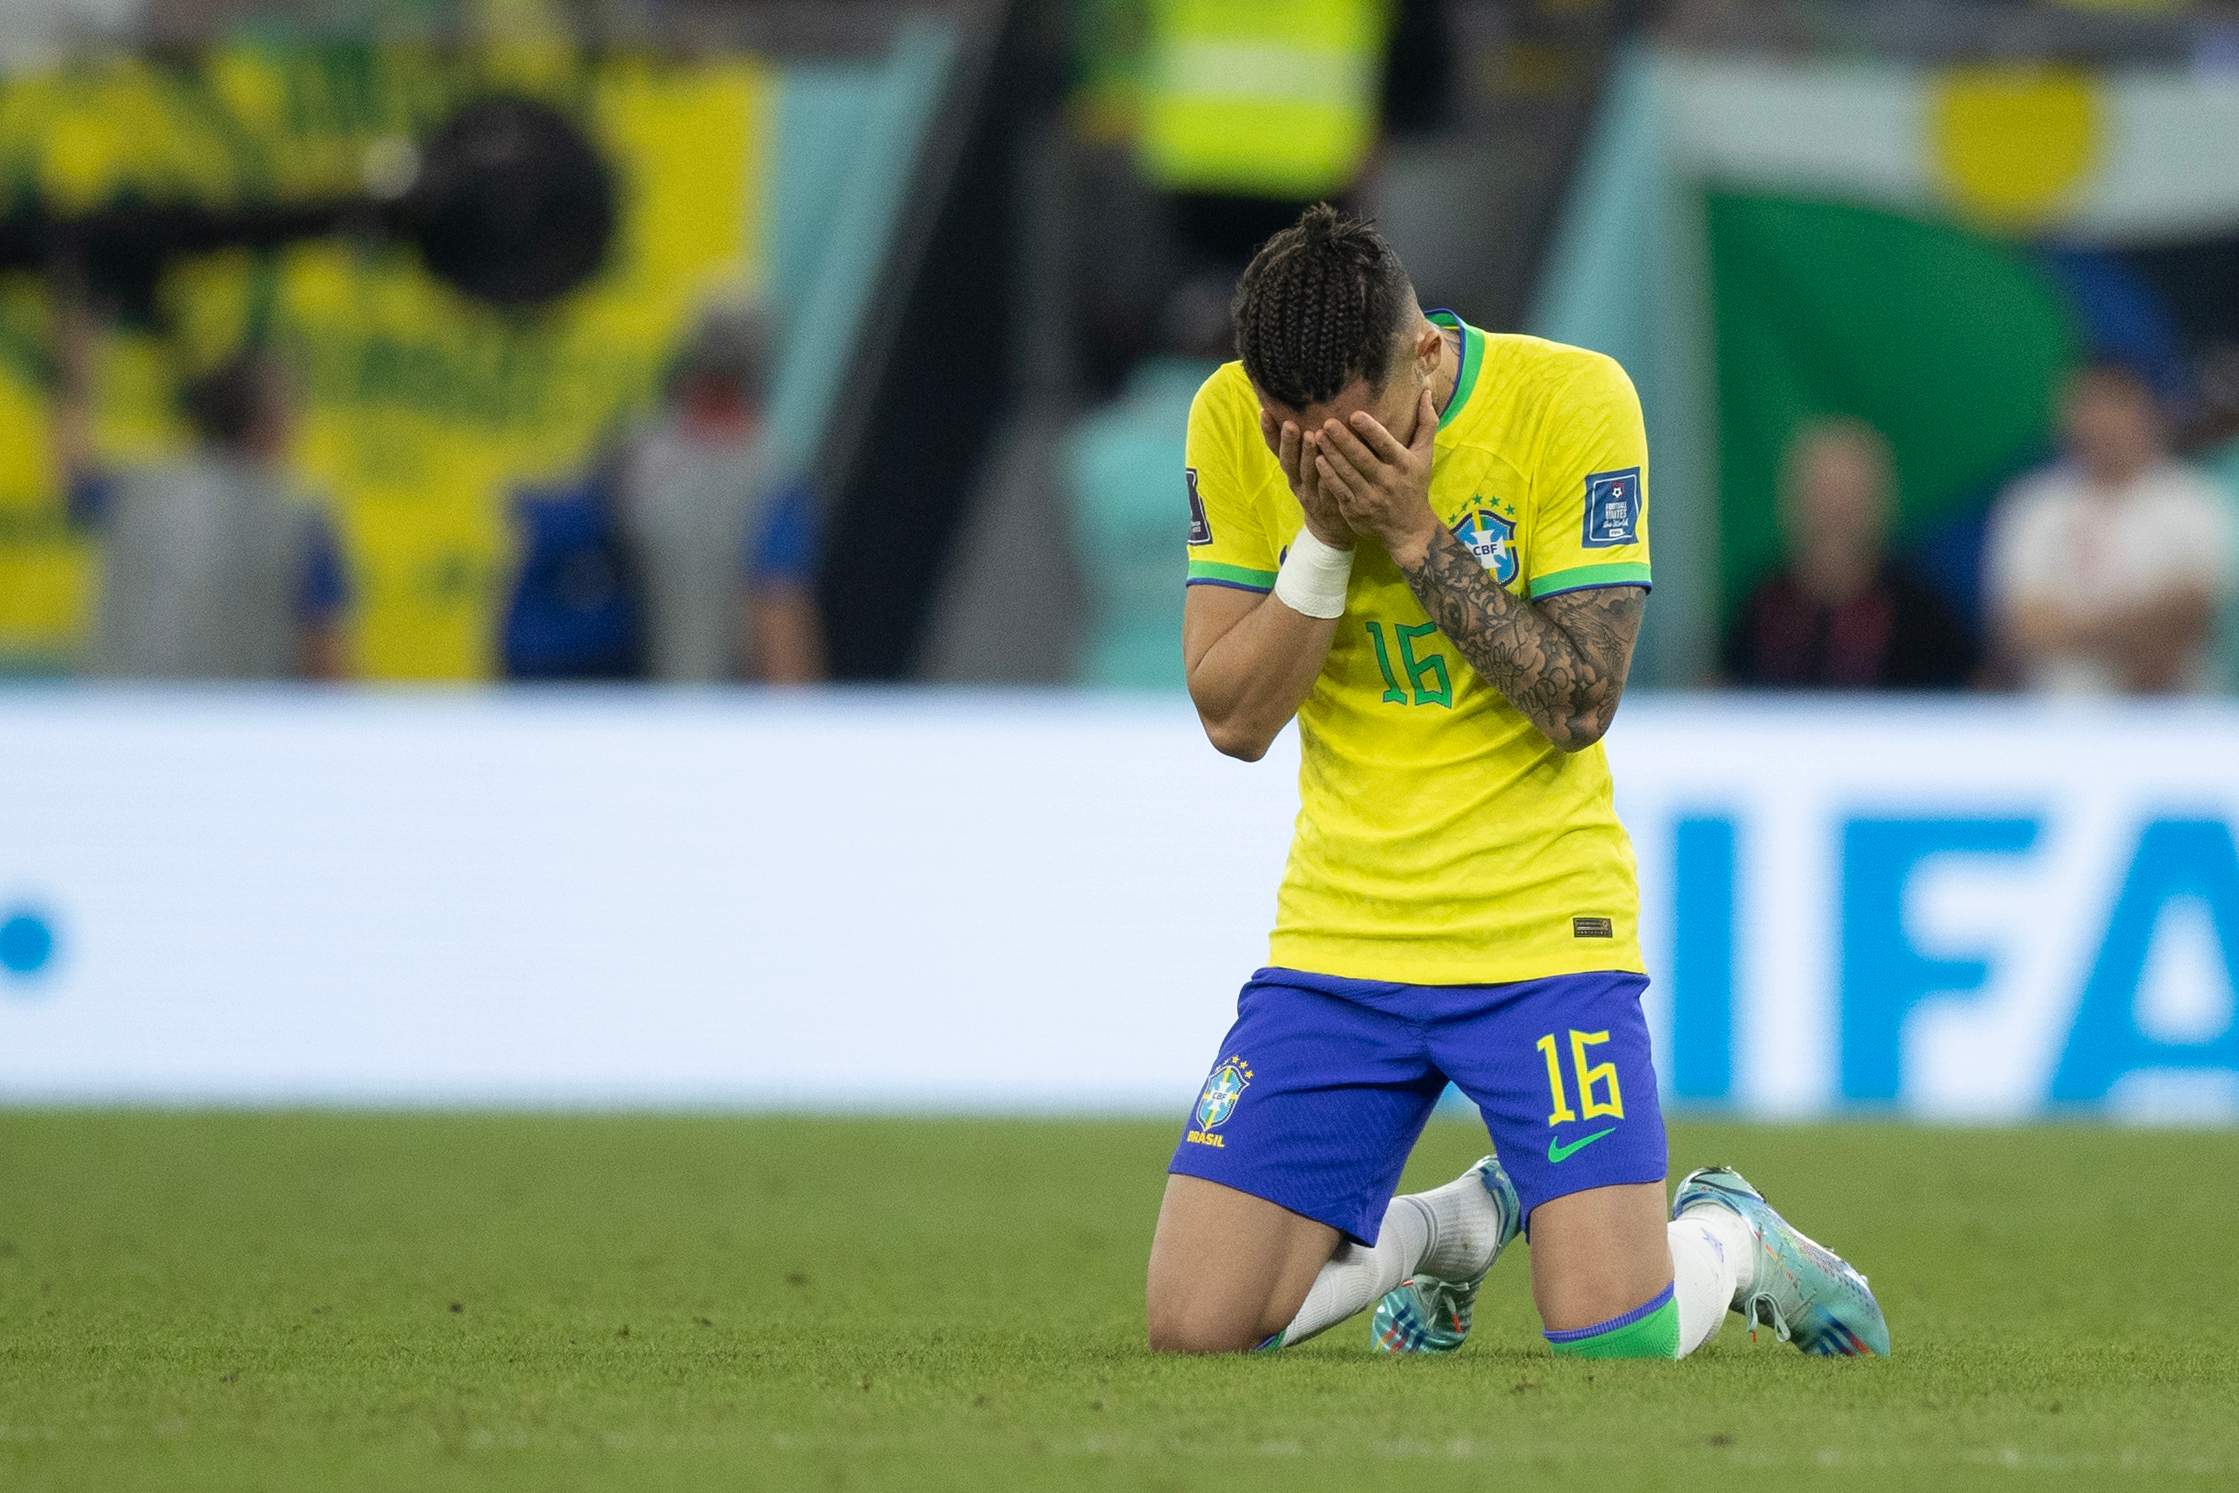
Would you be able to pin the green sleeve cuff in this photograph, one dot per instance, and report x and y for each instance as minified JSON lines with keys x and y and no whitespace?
{"x":1586,"y":577}
{"x":1212,"y":572}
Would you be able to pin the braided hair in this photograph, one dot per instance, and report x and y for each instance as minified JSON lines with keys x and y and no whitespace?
{"x":1320,"y":305}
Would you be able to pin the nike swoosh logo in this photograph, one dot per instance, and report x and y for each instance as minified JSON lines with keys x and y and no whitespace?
{"x":1559,"y":1152}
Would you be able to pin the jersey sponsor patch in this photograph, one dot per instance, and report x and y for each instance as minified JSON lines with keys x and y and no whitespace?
{"x":1592,"y":928}
{"x":1612,"y":509}
{"x":1200,"y":527}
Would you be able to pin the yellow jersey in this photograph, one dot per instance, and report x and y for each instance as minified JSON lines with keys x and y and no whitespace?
{"x":1441,"y":839}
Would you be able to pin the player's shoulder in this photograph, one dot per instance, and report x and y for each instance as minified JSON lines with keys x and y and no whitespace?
{"x":1224,"y":425}
{"x":1527,"y":386}
{"x":1226,"y":396}
{"x":1538,"y":367}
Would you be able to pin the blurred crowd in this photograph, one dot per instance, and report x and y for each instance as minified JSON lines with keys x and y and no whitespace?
{"x":686,"y":548}
{"x":2113,"y":570}
{"x":684,"y":552}
{"x":2110,"y":567}
{"x":687,"y":553}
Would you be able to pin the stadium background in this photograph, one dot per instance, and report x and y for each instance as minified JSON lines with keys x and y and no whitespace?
{"x":990,"y":867}
{"x":1759,"y":239}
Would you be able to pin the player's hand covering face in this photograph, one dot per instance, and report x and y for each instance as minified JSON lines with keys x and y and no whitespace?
{"x":1288,"y":441}
{"x":1381,"y":487}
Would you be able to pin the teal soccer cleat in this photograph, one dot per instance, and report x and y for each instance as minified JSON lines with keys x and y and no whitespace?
{"x":1428,"y":1315}
{"x":1810,"y":1294}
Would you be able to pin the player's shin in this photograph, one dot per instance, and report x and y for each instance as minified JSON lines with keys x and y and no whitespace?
{"x":1710,"y":1251}
{"x":1708,"y":1256}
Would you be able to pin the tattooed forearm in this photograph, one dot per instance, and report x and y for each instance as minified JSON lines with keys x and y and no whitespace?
{"x":1562,"y":662}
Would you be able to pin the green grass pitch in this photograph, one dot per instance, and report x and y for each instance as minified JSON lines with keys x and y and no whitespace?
{"x":344,"y":1301}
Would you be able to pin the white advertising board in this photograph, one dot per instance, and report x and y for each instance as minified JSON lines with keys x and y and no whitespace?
{"x":1980,"y":909}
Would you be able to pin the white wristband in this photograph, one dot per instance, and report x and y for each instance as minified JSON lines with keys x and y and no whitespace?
{"x":1312,"y":580}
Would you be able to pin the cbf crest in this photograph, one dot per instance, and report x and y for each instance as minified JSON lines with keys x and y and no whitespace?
{"x":1223,"y":1088}
{"x":1489,"y":529}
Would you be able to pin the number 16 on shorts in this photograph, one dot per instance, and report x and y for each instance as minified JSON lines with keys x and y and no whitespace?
{"x":1593,"y":1084}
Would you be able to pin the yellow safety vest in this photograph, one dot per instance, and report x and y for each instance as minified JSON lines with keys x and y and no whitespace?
{"x":1262,"y":98}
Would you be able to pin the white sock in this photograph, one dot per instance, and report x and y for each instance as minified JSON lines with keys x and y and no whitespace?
{"x":1713,"y":1265}
{"x":1450,"y":1232}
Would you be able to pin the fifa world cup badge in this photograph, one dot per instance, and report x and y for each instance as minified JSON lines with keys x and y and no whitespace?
{"x":1612,"y":509}
{"x":1223,"y":1088}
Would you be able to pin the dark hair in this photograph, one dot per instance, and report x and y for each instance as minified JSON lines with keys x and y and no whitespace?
{"x":1320,"y":305}
{"x":729,"y":344}
{"x":228,"y":404}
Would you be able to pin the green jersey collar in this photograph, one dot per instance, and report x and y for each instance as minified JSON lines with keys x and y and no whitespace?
{"x":1473,"y":358}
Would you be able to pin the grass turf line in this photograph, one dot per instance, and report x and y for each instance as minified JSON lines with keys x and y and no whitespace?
{"x":345,"y":1301}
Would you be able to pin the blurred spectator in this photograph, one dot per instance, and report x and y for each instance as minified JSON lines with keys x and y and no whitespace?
{"x":214,"y":565}
{"x":1254,"y":108}
{"x":689,"y":555}
{"x":573,"y":610}
{"x":1120,"y":467}
{"x":2109,"y":571}
{"x":1841,"y":612}
{"x":1213,"y":123}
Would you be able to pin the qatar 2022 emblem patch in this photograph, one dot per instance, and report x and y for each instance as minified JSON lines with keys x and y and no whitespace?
{"x":1223,"y":1087}
{"x":1489,"y":529}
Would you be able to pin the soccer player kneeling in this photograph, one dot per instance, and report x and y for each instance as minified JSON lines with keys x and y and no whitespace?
{"x":1429,"y":543}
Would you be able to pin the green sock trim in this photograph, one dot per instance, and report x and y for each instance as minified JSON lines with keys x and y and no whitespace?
{"x":1650,"y":1330}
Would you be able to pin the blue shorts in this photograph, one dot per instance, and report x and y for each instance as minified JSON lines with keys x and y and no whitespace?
{"x":1323,"y":1085}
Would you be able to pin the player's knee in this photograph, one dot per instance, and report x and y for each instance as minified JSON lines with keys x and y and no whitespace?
{"x":1185,"y":1335}
{"x":1181,"y":1325}
{"x":1179,"y":1333}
